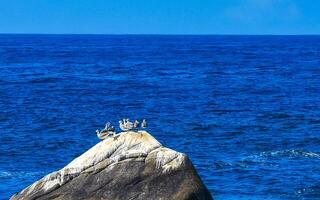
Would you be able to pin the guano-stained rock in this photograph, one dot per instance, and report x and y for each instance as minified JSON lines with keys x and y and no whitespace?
{"x":131,"y":165}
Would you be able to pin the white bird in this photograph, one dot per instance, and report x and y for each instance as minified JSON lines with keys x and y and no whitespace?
{"x":144,"y":123}
{"x":121,"y":125}
{"x":108,"y":127}
{"x":106,"y":132}
{"x":129,"y":125}
{"x":136,"y":124}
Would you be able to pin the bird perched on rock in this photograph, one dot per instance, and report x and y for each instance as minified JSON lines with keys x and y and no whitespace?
{"x":107,"y":131}
{"x":125,"y":124}
{"x":144,"y":123}
{"x":121,"y":125}
{"x":108,"y":128}
{"x":129,"y":124}
{"x":136,"y":124}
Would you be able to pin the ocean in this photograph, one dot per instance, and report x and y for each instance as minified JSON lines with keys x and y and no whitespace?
{"x":245,"y":109}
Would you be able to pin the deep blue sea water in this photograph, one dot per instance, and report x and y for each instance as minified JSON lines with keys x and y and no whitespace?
{"x":246,"y":109}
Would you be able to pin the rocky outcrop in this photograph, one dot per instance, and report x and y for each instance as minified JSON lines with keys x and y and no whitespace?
{"x":131,"y":165}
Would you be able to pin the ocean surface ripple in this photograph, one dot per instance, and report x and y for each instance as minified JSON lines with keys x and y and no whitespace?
{"x":246,"y":109}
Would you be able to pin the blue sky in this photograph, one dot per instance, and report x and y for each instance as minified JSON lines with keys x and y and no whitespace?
{"x":160,"y":16}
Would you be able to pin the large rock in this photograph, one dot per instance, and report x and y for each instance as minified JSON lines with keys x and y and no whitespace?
{"x":132,"y":165}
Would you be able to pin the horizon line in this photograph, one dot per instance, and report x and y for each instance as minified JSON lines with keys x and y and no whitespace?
{"x":160,"y":34}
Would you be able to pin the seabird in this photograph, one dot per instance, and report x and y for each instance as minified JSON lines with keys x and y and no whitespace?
{"x":136,"y":124}
{"x":107,"y":131}
{"x":108,"y":127}
{"x":144,"y":124}
{"x":123,"y":125}
{"x":129,"y":125}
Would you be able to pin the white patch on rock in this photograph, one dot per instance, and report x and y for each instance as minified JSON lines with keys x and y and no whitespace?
{"x":125,"y":145}
{"x":167,"y":159}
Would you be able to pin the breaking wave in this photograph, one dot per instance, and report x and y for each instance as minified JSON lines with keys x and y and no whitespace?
{"x":9,"y":174}
{"x":285,"y":154}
